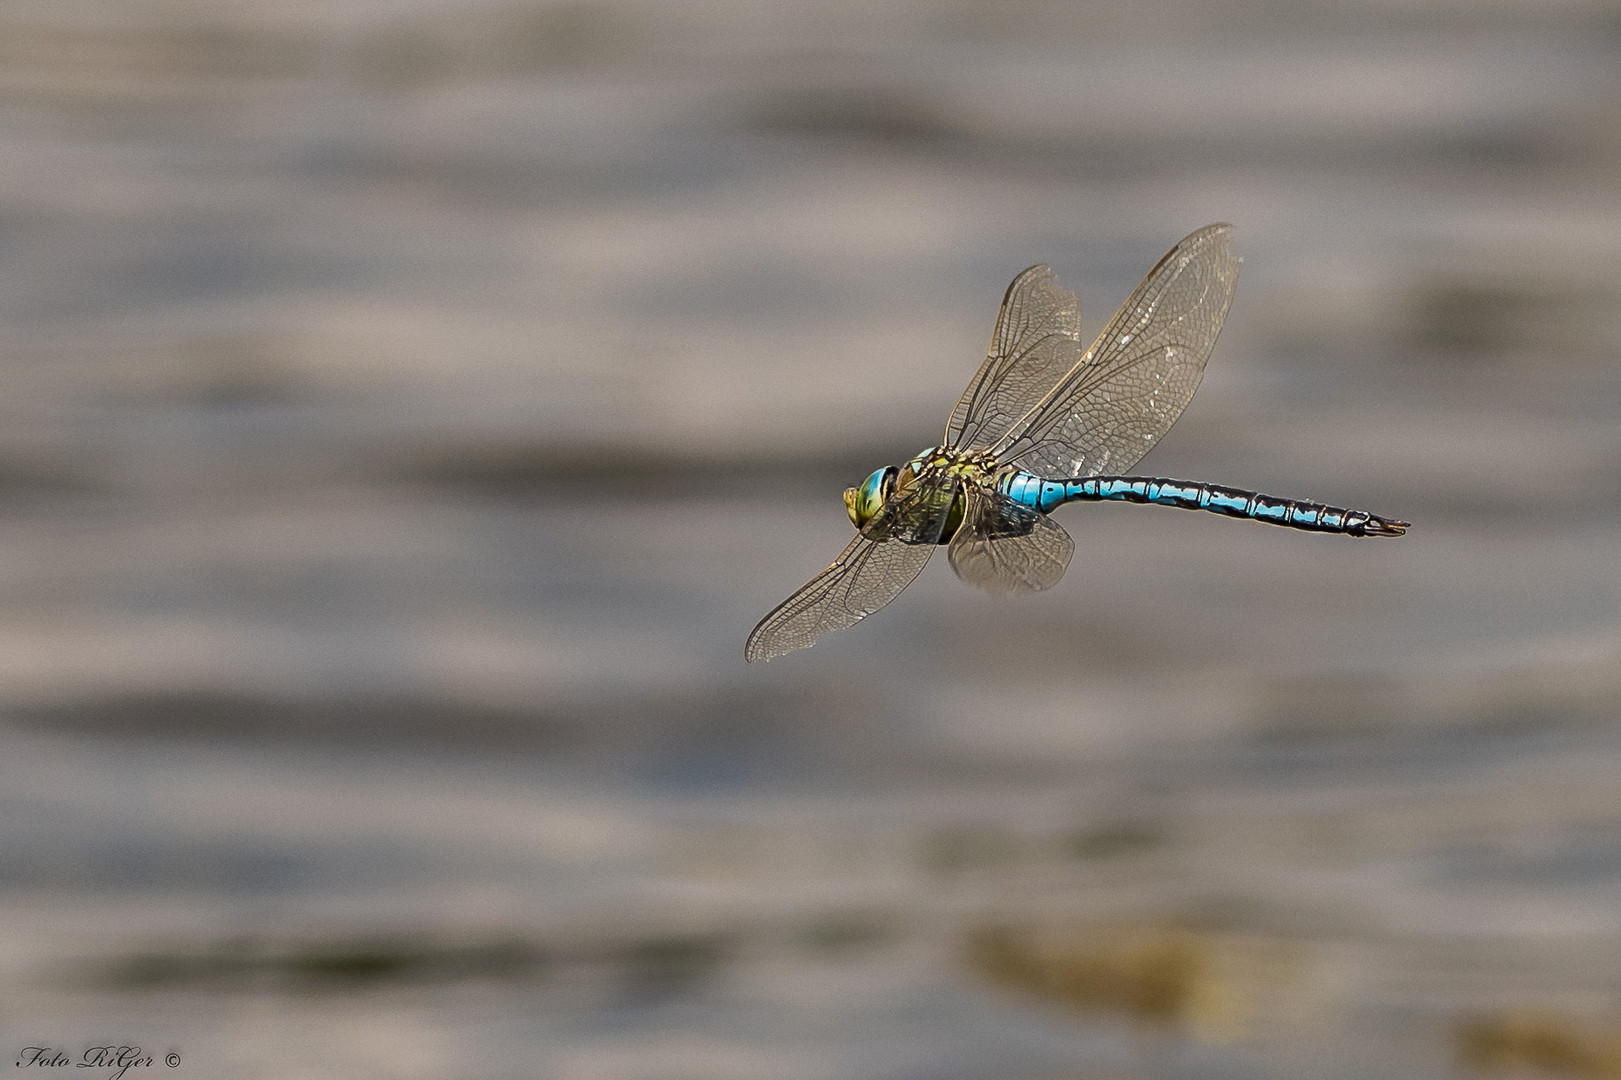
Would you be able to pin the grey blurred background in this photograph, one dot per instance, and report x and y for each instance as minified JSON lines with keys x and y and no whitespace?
{"x":411,"y":405}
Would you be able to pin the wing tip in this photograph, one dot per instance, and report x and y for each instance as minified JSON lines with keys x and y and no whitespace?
{"x":757,"y":650}
{"x":1219,"y":232}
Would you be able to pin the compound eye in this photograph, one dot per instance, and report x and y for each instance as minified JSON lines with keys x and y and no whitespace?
{"x":863,"y":503}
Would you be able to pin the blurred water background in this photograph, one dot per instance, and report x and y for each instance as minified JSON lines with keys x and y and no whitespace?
{"x":411,"y":405}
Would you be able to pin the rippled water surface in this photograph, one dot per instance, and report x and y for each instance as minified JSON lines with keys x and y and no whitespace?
{"x":411,"y":406}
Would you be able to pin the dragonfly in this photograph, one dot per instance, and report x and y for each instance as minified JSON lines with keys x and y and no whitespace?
{"x":1044,"y":423}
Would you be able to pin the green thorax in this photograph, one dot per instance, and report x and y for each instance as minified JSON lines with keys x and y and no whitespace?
{"x":934,"y":482}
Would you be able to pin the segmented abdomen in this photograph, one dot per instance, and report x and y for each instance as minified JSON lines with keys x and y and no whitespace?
{"x":1048,"y":495}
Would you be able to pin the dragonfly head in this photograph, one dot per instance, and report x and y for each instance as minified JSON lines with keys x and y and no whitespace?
{"x":863,"y":503}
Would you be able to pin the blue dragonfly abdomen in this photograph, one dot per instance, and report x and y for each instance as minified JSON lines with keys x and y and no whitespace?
{"x":1039,"y":493}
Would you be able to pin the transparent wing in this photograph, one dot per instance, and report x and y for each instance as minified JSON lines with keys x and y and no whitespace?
{"x":1037,"y":339}
{"x":1139,"y":375}
{"x":868,"y":574}
{"x":1004,"y":546}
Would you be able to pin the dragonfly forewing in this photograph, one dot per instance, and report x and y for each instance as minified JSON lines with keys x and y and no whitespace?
{"x":1131,"y":385}
{"x":871,"y":571}
{"x":867,"y":575}
{"x":1036,"y":341}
